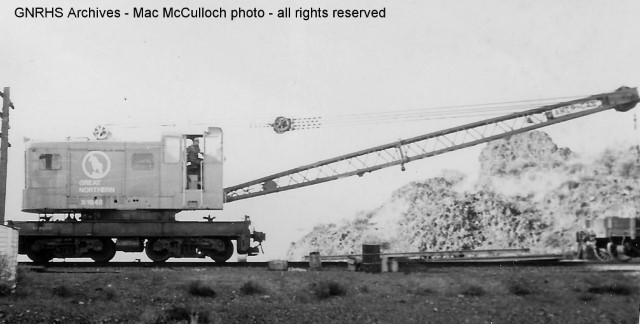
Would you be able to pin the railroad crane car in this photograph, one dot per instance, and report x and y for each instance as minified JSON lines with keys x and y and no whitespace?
{"x":123,"y":196}
{"x":609,"y":238}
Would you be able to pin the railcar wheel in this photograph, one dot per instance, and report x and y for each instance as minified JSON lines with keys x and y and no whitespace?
{"x":107,"y":253}
{"x":617,"y":252}
{"x":40,"y":257}
{"x":587,"y":252}
{"x":160,"y":255}
{"x":601,"y":254}
{"x":222,"y":256}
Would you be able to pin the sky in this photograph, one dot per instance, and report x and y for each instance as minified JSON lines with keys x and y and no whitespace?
{"x":69,"y":75}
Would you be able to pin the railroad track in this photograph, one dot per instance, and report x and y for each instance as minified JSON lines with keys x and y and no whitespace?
{"x":404,"y":265}
{"x":413,"y":264}
{"x":89,"y":264}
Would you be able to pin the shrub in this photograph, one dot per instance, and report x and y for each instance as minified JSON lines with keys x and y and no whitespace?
{"x":251,"y":287}
{"x":197,"y":288}
{"x":61,"y":291}
{"x":423,"y":291}
{"x":183,"y":314}
{"x":326,"y":289}
{"x":178,"y":314}
{"x":473,"y":291}
{"x":613,"y":289}
{"x":335,"y":289}
{"x":520,"y":289}
{"x":24,"y":276}
{"x":585,"y":297}
{"x":110,"y":293}
{"x":156,"y":279}
{"x":5,"y":289}
{"x":150,"y":316}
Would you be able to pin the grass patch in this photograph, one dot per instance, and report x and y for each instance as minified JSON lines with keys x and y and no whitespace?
{"x":612,"y":289}
{"x":24,"y":276}
{"x":183,"y":314}
{"x":331,"y":296}
{"x":585,"y":297}
{"x":251,"y":287}
{"x":5,"y":289}
{"x":328,"y":288}
{"x":157,"y":279}
{"x":109,"y":294}
{"x":61,"y":291}
{"x":178,"y":314}
{"x":364,"y":289}
{"x":473,"y":290}
{"x":423,"y":291}
{"x":520,"y":289}
{"x":198,"y":288}
{"x":302,"y":297}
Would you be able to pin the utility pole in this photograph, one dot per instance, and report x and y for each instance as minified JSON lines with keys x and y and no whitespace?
{"x":4,"y":148}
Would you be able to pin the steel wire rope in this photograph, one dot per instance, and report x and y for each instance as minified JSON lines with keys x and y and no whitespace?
{"x":439,"y":114}
{"x":455,"y":109}
{"x":447,"y":112}
{"x":469,"y":107}
{"x":354,"y":119}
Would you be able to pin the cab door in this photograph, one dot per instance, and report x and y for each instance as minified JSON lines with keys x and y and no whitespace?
{"x":171,"y":172}
{"x":212,"y":169}
{"x":202,"y":170}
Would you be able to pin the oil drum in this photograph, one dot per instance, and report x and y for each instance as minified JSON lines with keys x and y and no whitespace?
{"x":371,"y":258}
{"x":314,"y":261}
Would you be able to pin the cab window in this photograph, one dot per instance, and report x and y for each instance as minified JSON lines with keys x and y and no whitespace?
{"x":142,"y":161}
{"x":171,"y":149}
{"x":50,"y":161}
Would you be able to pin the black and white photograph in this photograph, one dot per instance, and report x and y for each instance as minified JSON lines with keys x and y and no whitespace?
{"x":280,"y":161}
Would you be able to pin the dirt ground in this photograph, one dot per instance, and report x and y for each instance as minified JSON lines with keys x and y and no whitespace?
{"x":241,"y":295}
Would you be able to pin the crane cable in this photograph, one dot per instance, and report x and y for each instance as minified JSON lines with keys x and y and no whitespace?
{"x":284,"y":124}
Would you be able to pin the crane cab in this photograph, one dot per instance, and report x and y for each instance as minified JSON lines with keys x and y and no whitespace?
{"x":112,"y":180}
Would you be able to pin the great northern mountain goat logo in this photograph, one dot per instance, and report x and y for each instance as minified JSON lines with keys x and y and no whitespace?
{"x":96,"y":164}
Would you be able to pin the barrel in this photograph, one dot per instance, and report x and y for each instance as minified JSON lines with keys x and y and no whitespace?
{"x":371,"y":258}
{"x":314,"y":261}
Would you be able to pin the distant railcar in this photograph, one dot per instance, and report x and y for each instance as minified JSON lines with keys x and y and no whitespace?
{"x":610,"y":238}
{"x":123,"y":196}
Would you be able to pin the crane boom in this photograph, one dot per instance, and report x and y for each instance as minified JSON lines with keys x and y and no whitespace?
{"x":423,"y":146}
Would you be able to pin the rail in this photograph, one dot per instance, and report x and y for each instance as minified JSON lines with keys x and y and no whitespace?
{"x":459,"y":253}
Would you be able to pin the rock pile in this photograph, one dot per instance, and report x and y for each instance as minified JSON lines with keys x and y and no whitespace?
{"x":530,"y":194}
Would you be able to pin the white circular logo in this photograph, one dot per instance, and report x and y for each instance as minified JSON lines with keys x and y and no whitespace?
{"x":96,"y":164}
